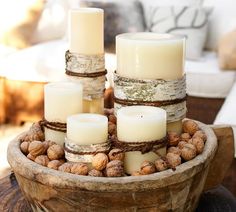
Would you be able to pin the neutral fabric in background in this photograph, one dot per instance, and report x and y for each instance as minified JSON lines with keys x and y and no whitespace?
{"x":191,"y":22}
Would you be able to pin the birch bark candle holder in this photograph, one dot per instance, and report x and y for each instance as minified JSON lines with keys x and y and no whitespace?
{"x":150,"y":71}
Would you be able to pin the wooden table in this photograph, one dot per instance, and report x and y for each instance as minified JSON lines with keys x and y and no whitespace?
{"x":12,"y":200}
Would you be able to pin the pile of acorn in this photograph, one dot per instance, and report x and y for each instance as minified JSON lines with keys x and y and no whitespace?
{"x":181,"y":148}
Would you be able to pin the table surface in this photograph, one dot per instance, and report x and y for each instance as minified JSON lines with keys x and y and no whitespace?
{"x":11,"y":198}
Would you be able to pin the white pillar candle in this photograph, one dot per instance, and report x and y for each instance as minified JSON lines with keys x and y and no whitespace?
{"x":140,"y":124}
{"x":86,"y":36}
{"x":151,"y":56}
{"x":61,"y":99}
{"x":87,"y":128}
{"x":86,"y":31}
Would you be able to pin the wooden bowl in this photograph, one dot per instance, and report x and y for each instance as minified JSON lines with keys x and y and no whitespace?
{"x":52,"y":190}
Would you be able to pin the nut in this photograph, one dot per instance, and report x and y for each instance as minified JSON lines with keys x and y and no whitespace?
{"x":115,"y":168}
{"x":201,"y":135}
{"x":188,"y":152}
{"x":136,"y":173}
{"x":174,"y":150}
{"x":31,"y":157}
{"x":112,"y":118}
{"x":99,"y":161}
{"x":46,"y":145}
{"x":24,"y":147}
{"x":36,"y":148}
{"x":79,"y":168}
{"x":198,"y":143}
{"x":190,"y":126}
{"x":147,"y":167}
{"x":95,"y":173}
{"x":173,"y":160}
{"x":111,"y":128}
{"x":173,"y":138}
{"x":181,"y":144}
{"x":54,"y":164}
{"x":55,"y":152}
{"x":116,"y":154}
{"x":42,"y":160}
{"x":161,"y":165}
{"x":65,"y":167}
{"x":35,"y":133}
{"x":185,"y":137}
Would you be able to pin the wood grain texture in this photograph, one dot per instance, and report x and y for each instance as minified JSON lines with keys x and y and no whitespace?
{"x":203,"y":109}
{"x":223,"y":157}
{"x":53,"y":190}
{"x":11,"y":197}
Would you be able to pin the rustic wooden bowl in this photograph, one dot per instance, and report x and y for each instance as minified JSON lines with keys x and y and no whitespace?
{"x":51,"y":190}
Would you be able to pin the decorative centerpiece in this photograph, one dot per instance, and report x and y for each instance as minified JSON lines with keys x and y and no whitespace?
{"x":139,"y":156}
{"x":50,"y":183}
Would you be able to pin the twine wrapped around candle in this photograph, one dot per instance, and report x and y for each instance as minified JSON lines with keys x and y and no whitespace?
{"x":170,"y":95}
{"x":84,"y":153}
{"x":144,"y":147}
{"x":56,"y":126}
{"x":88,"y":70}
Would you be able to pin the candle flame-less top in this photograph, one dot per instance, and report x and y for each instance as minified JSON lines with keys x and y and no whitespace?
{"x":86,"y":28}
{"x":141,"y":123}
{"x":148,"y":55}
{"x":87,"y":128}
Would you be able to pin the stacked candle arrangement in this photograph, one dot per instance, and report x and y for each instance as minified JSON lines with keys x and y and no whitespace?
{"x":149,"y":81}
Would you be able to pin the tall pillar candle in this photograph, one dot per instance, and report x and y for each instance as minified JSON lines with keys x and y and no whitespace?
{"x":86,"y":39}
{"x":151,"y":56}
{"x":84,"y":131}
{"x":61,"y":99}
{"x":140,"y":124}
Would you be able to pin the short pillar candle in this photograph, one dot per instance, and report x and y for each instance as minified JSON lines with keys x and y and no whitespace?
{"x":86,"y":37}
{"x":61,"y":99}
{"x":85,"y":130}
{"x":151,"y":56}
{"x":140,"y":124}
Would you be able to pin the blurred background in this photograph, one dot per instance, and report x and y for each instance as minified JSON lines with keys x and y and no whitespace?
{"x":33,"y":41}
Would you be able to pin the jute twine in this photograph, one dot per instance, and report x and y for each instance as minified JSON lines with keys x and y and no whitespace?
{"x":143,"y":147}
{"x":56,"y":126}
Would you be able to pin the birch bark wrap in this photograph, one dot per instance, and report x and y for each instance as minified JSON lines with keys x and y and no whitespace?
{"x":88,"y":70}
{"x":170,"y":95}
{"x":84,"y":153}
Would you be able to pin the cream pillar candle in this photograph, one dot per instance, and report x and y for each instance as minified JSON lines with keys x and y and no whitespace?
{"x":151,"y":56}
{"x":86,"y":36}
{"x":61,"y":99}
{"x":86,"y":28}
{"x":87,"y":128}
{"x":140,"y":124}
{"x":83,"y":132}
